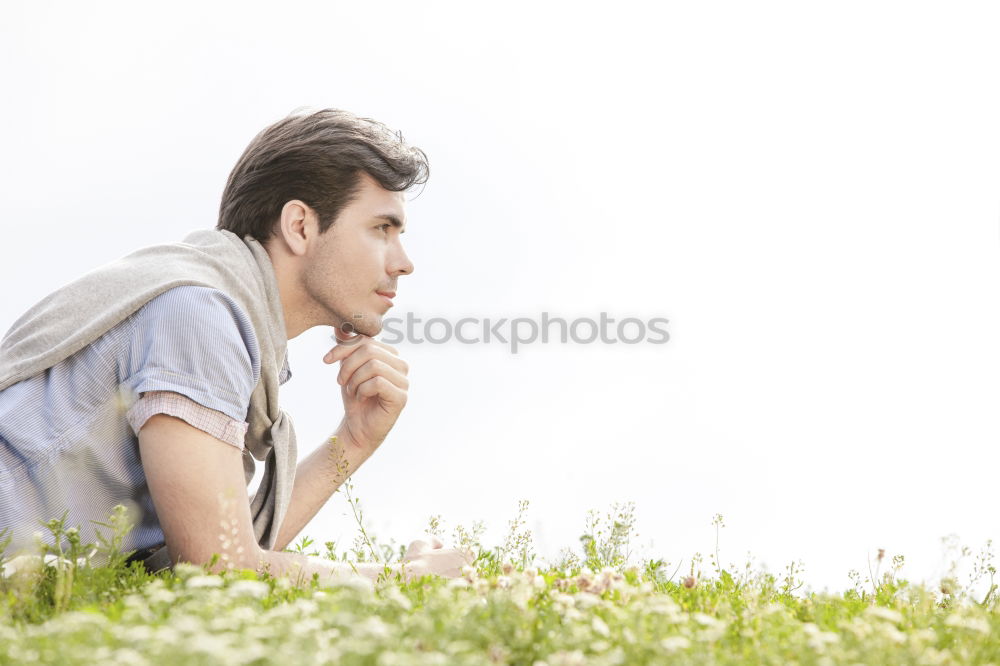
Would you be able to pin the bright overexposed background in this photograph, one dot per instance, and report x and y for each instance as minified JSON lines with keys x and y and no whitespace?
{"x":807,"y":191}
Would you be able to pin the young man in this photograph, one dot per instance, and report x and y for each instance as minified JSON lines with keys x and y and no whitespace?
{"x":153,"y":381}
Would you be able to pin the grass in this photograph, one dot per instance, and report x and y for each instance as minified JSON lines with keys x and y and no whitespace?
{"x":595,"y":605}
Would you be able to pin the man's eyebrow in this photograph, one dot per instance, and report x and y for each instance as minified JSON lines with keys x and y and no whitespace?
{"x":395,"y":221}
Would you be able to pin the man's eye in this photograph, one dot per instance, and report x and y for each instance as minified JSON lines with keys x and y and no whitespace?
{"x":384,"y":227}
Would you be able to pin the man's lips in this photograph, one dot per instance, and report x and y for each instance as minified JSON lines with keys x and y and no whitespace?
{"x":387,"y":295}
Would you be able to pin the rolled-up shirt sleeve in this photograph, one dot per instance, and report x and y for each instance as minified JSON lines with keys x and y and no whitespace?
{"x":213,"y":422}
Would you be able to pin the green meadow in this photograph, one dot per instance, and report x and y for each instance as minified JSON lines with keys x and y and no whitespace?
{"x":596,"y":605}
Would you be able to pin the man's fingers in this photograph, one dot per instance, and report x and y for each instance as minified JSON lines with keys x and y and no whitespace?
{"x":416,"y":548}
{"x":420,"y":546}
{"x":389,"y":348}
{"x":351,"y":364}
{"x":372,"y":369}
{"x":383,"y":388}
{"x":348,"y":346}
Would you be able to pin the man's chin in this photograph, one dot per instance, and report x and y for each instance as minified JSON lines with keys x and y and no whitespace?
{"x":366,"y":325}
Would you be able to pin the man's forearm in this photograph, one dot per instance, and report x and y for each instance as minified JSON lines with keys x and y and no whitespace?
{"x":300,"y":568}
{"x":316,"y":479}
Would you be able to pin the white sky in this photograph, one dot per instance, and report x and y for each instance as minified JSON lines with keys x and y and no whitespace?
{"x":808,"y":192}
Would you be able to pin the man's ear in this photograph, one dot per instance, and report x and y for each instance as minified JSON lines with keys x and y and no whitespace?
{"x":298,"y":227}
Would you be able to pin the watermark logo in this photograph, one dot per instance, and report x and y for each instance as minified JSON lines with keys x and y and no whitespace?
{"x":519,"y":331}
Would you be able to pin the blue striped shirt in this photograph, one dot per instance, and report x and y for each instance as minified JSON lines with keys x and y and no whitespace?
{"x":69,"y":435}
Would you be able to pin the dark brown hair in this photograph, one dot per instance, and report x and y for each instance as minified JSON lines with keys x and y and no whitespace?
{"x":317,"y":158}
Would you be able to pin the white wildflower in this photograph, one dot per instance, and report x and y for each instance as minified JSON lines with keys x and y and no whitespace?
{"x":562,"y":598}
{"x":971,"y":623}
{"x":705,"y":620}
{"x":884,"y":614}
{"x":925,"y":635}
{"x":819,"y":639}
{"x":160,"y":595}
{"x":675,"y":643}
{"x":713,"y":628}
{"x":393,"y":594}
{"x":893,"y":634}
{"x":204,"y":581}
{"x":137,"y":634}
{"x":309,"y":626}
{"x":185,"y":570}
{"x":350,"y":581}
{"x":933,"y":657}
{"x":166,"y":635}
{"x":520,"y":595}
{"x":22,"y":564}
{"x":600,"y":627}
{"x":306,"y":606}
{"x":373,"y":626}
{"x":771,"y":609}
{"x":393,"y":658}
{"x":216,"y":645}
{"x":249,"y":588}
{"x":563,"y":658}
{"x":74,"y":621}
{"x":664,"y":605}
{"x":858,"y":627}
{"x":242,"y":616}
{"x":185,"y":624}
{"x":129,"y":657}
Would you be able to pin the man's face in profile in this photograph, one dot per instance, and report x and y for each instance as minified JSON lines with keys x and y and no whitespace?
{"x":360,"y":255}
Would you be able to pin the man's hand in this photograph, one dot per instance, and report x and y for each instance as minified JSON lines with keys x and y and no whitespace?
{"x":373,"y":387}
{"x":432,"y":558}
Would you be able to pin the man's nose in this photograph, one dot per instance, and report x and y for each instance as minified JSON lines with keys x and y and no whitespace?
{"x":402,"y":264}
